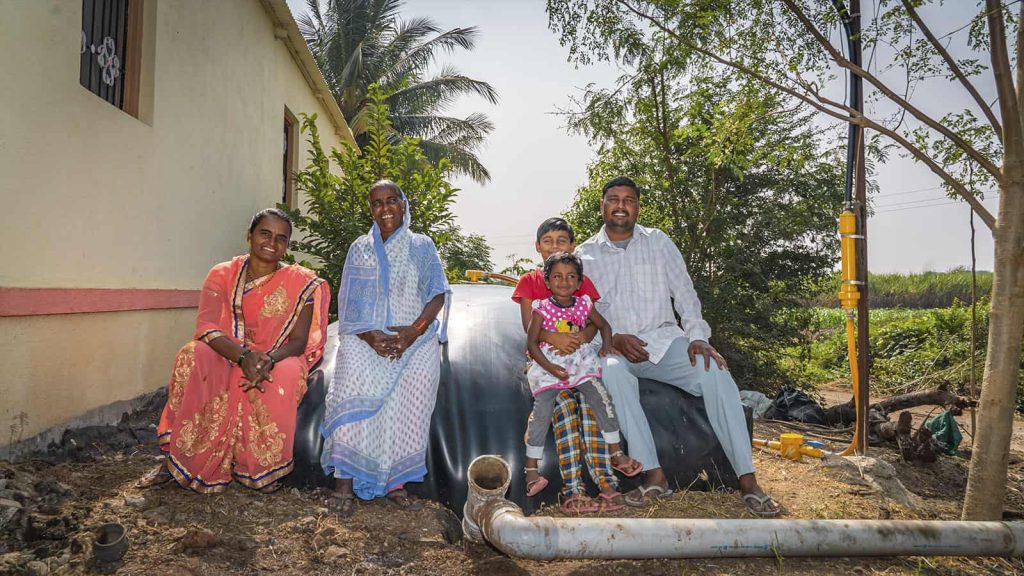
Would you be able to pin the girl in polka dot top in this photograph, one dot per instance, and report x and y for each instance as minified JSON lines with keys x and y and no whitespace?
{"x":550,"y":373}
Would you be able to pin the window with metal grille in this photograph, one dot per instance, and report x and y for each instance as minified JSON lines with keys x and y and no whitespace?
{"x":110,"y":48}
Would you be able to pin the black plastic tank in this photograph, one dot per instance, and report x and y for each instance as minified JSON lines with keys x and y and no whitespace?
{"x":483,"y":403}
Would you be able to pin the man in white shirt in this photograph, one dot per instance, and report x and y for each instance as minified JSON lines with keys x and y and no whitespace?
{"x":640,"y":274}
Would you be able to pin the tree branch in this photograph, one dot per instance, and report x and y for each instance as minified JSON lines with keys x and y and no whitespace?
{"x":1008,"y":107}
{"x":839,"y":59}
{"x":850,"y":116}
{"x":985,"y":108}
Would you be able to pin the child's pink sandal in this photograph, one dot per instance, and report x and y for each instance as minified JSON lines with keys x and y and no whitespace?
{"x":631,"y":468}
{"x":537,"y":486}
{"x":579,"y":504}
{"x":608,"y":503}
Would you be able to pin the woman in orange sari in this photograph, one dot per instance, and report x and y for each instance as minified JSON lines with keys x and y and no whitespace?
{"x":233,"y":394}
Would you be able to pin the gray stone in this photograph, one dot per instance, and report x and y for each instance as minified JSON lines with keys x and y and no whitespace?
{"x":878,"y":475}
{"x":335,"y":553}
{"x":8,"y":510}
{"x":37,"y":568}
{"x":10,"y":494}
{"x":157,"y":515}
{"x":12,"y":561}
{"x":135,"y":501}
{"x":51,"y":486}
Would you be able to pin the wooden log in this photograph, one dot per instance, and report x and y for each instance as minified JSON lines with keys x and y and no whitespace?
{"x":845,"y":414}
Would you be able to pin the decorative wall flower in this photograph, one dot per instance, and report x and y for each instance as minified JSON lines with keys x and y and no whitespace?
{"x":107,"y":58}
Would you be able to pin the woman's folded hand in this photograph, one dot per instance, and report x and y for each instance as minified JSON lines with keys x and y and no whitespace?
{"x":404,"y":338}
{"x":256,"y":368}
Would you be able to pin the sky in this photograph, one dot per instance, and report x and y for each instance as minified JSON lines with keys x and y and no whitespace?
{"x":536,"y":165}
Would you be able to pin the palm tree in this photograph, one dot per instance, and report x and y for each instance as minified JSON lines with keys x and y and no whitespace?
{"x":361,"y":42}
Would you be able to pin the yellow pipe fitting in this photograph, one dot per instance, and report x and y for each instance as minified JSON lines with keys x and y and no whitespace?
{"x":849,"y":294}
{"x":790,"y":446}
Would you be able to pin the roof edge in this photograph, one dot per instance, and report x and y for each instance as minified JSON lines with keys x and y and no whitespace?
{"x":287,"y":30}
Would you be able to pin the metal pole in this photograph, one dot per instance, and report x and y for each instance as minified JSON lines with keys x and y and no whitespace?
{"x":855,"y":199}
{"x":861,"y":200}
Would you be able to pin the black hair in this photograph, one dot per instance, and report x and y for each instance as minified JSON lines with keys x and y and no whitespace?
{"x":555,"y":225}
{"x":563,"y":258}
{"x":276,"y":213}
{"x":621,"y":181}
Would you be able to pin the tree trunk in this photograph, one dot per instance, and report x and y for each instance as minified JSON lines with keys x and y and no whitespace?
{"x":986,"y":481}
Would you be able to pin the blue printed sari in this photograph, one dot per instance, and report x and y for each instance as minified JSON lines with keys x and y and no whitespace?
{"x":377,"y":421}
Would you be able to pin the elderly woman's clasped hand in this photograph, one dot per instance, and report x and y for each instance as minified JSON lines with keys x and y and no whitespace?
{"x":391,"y":345}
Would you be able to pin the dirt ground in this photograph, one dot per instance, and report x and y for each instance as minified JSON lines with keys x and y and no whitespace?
{"x":174,"y":532}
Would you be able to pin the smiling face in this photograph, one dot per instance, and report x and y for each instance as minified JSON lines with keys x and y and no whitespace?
{"x":619,"y":208}
{"x":268,"y":241}
{"x":387,"y":210}
{"x":554,"y":241}
{"x":563,"y":281}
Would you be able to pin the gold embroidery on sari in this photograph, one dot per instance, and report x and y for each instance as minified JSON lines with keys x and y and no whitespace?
{"x":275,"y":304}
{"x":250,"y":338}
{"x":300,"y":390}
{"x":229,"y":453}
{"x":183,"y":365}
{"x":265,"y":442}
{"x":198,"y":434}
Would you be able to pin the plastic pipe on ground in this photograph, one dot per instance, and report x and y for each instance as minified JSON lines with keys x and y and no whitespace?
{"x":491,"y":518}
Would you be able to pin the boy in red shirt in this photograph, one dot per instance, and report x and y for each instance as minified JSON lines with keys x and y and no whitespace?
{"x":555,"y":235}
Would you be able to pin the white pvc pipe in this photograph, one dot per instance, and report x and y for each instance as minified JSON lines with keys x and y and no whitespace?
{"x":489,"y":517}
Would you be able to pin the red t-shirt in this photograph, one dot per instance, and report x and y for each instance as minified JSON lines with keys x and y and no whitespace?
{"x":531,"y":285}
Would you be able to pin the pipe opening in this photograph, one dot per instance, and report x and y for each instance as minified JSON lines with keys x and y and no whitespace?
{"x":489,"y":473}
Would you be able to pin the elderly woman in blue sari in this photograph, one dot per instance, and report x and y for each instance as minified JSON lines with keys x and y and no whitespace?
{"x":377,"y":422}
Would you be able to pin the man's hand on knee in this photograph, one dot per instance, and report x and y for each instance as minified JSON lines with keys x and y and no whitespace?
{"x":708,"y":352}
{"x":631,"y":347}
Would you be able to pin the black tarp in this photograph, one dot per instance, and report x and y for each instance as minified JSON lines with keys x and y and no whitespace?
{"x":483,"y":403}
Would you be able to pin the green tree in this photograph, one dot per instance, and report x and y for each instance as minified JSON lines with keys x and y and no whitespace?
{"x":740,"y":184}
{"x":463,"y":252}
{"x":337,"y":207}
{"x":789,"y":46}
{"x":357,"y":43}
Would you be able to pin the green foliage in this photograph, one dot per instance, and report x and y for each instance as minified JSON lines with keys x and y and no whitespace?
{"x":337,"y":208}
{"x":740,"y":183}
{"x":793,"y":47}
{"x":464,"y":252}
{"x":518,"y":266}
{"x":910,"y":349}
{"x":357,"y":43}
{"x":922,"y":290}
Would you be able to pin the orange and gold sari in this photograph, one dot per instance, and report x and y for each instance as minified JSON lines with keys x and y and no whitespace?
{"x":210,"y":429}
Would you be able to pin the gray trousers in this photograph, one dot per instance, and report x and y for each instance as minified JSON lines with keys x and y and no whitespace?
{"x":721,"y":400}
{"x":544,"y":406}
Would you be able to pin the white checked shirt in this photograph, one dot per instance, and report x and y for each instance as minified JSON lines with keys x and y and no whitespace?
{"x":638,"y":285}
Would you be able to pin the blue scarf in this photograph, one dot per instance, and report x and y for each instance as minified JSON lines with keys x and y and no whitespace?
{"x":364,"y":298}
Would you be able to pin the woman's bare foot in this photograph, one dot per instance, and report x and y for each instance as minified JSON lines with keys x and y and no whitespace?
{"x":342,"y":501}
{"x":404,"y":500}
{"x":341,"y":504}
